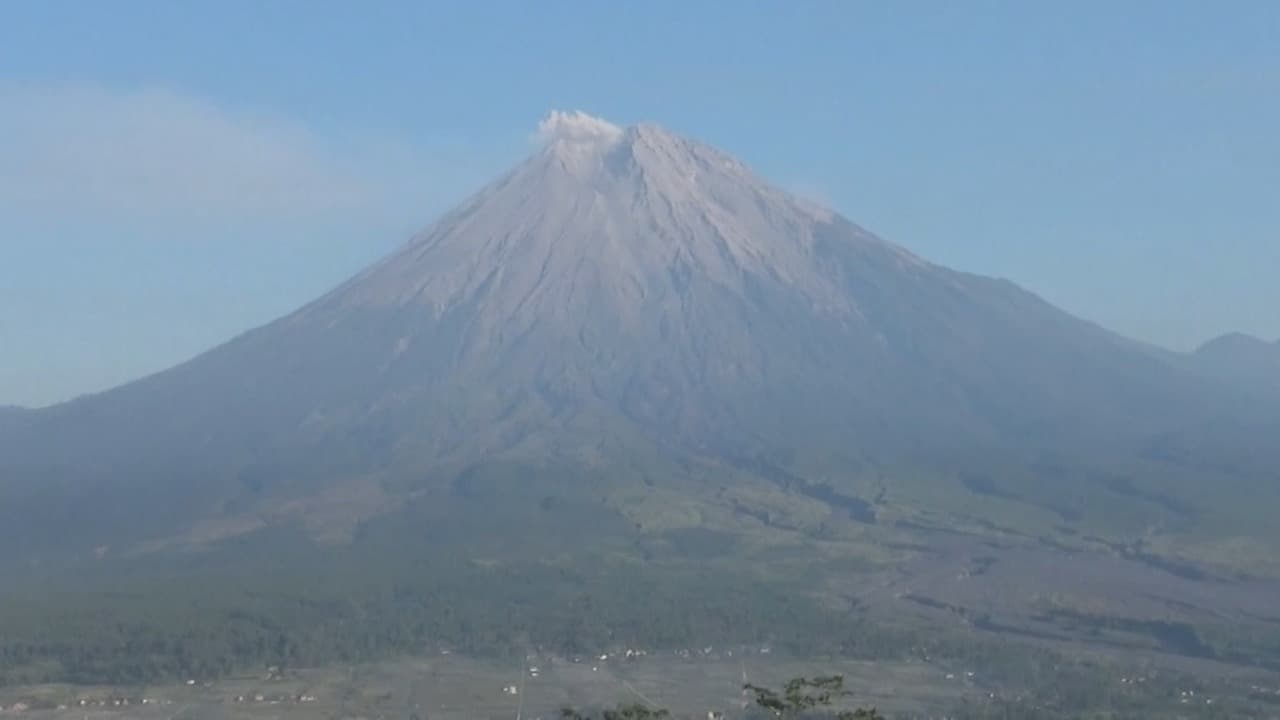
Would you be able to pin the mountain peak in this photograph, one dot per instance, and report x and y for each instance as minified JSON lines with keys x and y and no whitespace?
{"x":594,"y":151}
{"x":625,"y":216}
{"x":577,"y":127}
{"x":622,"y":214}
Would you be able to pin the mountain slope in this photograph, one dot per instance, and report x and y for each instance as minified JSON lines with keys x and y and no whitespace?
{"x":626,"y":306}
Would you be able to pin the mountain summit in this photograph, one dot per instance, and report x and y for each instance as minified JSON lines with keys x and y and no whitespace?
{"x":631,"y":268}
{"x":618,"y":212}
{"x":626,"y":309}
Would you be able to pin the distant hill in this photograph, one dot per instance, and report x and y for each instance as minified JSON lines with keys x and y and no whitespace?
{"x":1241,"y":359}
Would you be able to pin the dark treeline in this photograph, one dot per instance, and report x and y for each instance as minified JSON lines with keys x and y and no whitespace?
{"x":138,"y":629}
{"x":163,"y":630}
{"x":143,"y":627}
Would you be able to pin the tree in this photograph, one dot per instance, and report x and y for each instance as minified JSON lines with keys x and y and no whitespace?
{"x":623,"y":712}
{"x":801,"y":695}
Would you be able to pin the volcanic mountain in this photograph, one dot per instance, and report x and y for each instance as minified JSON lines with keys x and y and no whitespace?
{"x":637,"y":318}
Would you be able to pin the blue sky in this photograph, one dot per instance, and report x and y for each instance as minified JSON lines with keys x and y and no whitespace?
{"x":172,"y":174}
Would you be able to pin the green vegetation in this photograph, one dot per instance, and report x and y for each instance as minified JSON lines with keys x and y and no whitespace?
{"x":160,"y":629}
{"x":799,"y":697}
{"x":399,"y":589}
{"x":802,"y":695}
{"x":623,"y":712}
{"x":454,"y":575}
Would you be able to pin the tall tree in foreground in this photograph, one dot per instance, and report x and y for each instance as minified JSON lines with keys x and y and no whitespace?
{"x":803,"y":695}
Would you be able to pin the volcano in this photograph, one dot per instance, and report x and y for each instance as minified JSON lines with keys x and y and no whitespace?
{"x":637,"y":318}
